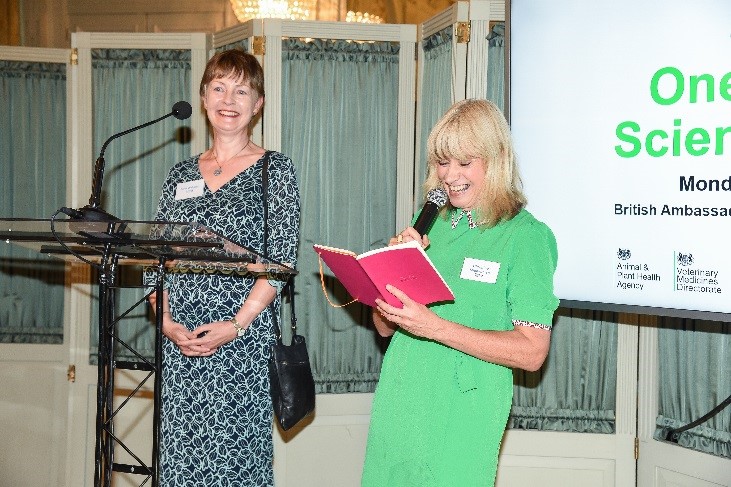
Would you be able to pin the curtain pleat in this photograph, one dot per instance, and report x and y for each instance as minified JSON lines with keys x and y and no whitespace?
{"x":340,"y":127}
{"x":131,"y":87}
{"x":437,"y":95}
{"x":496,"y":66}
{"x":32,"y":185}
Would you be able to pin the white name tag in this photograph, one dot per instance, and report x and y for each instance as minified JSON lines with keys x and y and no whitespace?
{"x":480,"y":270}
{"x":189,"y":189}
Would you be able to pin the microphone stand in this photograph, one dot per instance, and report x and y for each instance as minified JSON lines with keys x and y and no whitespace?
{"x":93,"y":212}
{"x":86,"y":223}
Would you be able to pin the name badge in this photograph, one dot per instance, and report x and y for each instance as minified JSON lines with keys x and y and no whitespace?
{"x":480,"y":270}
{"x":189,"y":189}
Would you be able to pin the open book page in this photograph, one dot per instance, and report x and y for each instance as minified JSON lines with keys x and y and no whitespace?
{"x":349,"y":272}
{"x":407,"y":267}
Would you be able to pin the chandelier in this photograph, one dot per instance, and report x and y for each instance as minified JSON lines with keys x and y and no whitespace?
{"x":279,"y":9}
{"x":363,"y":17}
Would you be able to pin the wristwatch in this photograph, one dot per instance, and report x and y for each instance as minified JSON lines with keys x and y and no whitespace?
{"x":239,"y":329}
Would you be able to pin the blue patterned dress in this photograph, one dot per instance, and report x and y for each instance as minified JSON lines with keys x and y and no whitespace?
{"x":216,"y":420}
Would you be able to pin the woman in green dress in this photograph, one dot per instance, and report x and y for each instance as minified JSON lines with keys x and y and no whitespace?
{"x":446,"y":385}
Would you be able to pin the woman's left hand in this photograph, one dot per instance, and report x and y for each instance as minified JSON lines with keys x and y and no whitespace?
{"x":414,"y":317}
{"x":210,"y":337}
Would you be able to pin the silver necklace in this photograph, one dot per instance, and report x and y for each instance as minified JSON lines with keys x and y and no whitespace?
{"x":219,"y":169}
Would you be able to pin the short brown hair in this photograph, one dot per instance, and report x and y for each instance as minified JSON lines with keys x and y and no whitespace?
{"x":236,"y":63}
{"x":477,"y":129}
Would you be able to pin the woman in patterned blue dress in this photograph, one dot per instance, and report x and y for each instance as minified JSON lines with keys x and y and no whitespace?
{"x":216,"y":419}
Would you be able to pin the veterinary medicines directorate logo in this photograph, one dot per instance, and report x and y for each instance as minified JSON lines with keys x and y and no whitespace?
{"x":685,"y":259}
{"x":624,"y":254}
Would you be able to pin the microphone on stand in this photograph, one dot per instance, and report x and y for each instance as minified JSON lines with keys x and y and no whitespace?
{"x":92,"y":212}
{"x":435,"y":199}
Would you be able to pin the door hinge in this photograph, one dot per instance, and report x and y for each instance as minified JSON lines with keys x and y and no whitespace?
{"x":462,"y":32}
{"x":71,"y":373}
{"x":637,"y":448}
{"x":74,"y":56}
{"x":260,"y":45}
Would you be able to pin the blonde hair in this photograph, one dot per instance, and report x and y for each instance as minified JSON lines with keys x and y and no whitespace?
{"x":477,"y":129}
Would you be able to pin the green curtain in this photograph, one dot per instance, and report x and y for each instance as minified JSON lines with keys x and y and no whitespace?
{"x":575,"y":390}
{"x":340,"y":129}
{"x":131,"y":87}
{"x":437,"y":96}
{"x":32,"y":185}
{"x":695,"y":376}
{"x":496,"y":66}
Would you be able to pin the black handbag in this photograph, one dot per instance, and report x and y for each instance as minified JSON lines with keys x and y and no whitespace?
{"x":290,"y":377}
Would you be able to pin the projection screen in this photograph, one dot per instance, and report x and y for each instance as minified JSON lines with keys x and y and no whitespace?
{"x":621,"y":116}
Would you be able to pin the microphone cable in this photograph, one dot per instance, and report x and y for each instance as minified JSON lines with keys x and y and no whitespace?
{"x":66,"y":247}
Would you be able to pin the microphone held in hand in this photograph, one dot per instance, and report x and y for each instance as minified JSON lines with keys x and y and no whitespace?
{"x":435,"y":199}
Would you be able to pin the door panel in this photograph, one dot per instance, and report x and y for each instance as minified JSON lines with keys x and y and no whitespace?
{"x":33,"y":413}
{"x":669,"y":465}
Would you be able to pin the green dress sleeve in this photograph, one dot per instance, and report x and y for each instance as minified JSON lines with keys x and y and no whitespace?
{"x":530,"y":281}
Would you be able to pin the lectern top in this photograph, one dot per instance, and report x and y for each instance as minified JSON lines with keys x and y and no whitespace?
{"x":179,"y":245}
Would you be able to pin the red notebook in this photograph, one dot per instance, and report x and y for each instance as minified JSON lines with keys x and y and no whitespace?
{"x":405,"y":266}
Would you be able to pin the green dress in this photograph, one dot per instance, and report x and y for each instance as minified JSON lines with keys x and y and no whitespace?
{"x":439,"y":414}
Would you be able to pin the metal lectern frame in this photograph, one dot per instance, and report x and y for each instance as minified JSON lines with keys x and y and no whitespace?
{"x":161,"y":246}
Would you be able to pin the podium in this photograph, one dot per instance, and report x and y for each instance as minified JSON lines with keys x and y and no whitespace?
{"x":160,"y":246}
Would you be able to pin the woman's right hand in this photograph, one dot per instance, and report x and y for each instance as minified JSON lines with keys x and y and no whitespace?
{"x":177,"y":333}
{"x":407,"y":235}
